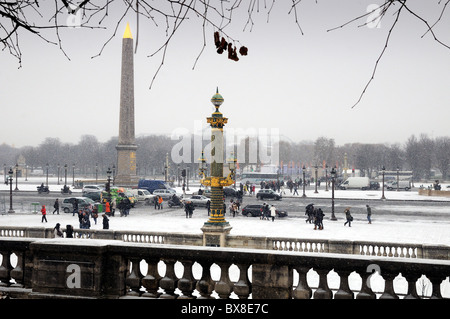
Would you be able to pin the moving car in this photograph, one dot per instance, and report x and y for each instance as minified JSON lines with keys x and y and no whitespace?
{"x":166,"y":194}
{"x":198,"y":200}
{"x":355,"y":183}
{"x":143,"y":195}
{"x":92,"y":188}
{"x":67,"y":203}
{"x":405,"y":184}
{"x":267,"y":193}
{"x":256,"y":211}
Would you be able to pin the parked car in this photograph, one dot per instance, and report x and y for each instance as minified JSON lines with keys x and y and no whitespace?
{"x":267,"y":193}
{"x":198,"y":200}
{"x":256,"y":211}
{"x":92,"y":188}
{"x":166,"y":194}
{"x":67,"y":203}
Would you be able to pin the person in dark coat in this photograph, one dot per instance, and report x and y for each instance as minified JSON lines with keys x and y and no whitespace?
{"x":56,"y":207}
{"x":105,"y":222}
{"x":348,"y":216}
{"x":318,"y":221}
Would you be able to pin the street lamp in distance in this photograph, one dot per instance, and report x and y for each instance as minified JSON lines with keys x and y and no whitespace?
{"x":10,"y":173}
{"x":333,"y":181}
{"x":383,"y":170}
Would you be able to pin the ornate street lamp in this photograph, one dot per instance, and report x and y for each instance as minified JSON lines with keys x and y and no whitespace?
{"x":304,"y":180}
{"x":216,"y":228}
{"x":17,"y":171}
{"x":383,"y":170}
{"x":108,"y":184}
{"x":398,"y":173}
{"x":11,"y":174}
{"x":333,"y":181}
{"x":315,"y":179}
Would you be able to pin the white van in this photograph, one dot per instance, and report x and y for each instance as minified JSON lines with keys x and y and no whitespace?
{"x":355,"y":182}
{"x":143,"y":195}
{"x":404,"y":184}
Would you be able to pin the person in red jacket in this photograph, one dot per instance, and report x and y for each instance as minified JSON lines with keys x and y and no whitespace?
{"x":44,"y":214}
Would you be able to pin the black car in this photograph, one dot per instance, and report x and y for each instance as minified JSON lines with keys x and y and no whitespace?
{"x":256,"y":211}
{"x":229,"y":192}
{"x":267,"y":193}
{"x":374,"y":185}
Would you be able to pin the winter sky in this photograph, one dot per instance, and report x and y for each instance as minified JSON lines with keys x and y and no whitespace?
{"x":303,"y":85}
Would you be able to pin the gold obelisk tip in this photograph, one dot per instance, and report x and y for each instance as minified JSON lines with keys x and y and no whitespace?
{"x":127,"y":34}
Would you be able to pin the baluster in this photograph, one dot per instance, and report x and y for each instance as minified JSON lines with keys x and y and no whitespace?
{"x":411,"y":278}
{"x":187,"y":283}
{"x":366,"y":290}
{"x":169,"y":281}
{"x":205,"y":285}
{"x":302,"y":291}
{"x":224,"y":286}
{"x":133,"y":279}
{"x":344,"y":291}
{"x":151,"y":280}
{"x":436,"y":282}
{"x":323,"y":291}
{"x":242,"y":287}
{"x":389,"y":292}
{"x":17,"y":272}
{"x":5,"y":269}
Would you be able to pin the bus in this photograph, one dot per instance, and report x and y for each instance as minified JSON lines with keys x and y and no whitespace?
{"x":257,"y":177}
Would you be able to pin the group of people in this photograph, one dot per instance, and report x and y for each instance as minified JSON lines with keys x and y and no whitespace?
{"x":268,"y":212}
{"x":314,"y":215}
{"x":158,"y":201}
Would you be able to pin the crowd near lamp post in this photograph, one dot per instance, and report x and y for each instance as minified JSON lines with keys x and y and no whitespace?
{"x":383,"y":170}
{"x":304,"y":181}
{"x":333,"y":181}
{"x":216,"y":228}
{"x":10,"y":173}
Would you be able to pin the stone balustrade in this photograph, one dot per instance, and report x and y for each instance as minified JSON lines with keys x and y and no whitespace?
{"x":366,"y":248}
{"x":64,"y":268}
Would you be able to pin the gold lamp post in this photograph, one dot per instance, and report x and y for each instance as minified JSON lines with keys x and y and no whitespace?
{"x":216,"y":228}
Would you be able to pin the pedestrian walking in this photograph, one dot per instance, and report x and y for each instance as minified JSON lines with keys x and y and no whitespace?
{"x":75,"y":207}
{"x":56,"y":207}
{"x":105,"y":221}
{"x":348,"y":217}
{"x":369,"y":214}
{"x":160,"y":202}
{"x":44,"y":214}
{"x":108,"y":208}
{"x":95,"y":214}
{"x":295,"y":188}
{"x":318,"y":219}
{"x":57,"y":232}
{"x":273,"y":212}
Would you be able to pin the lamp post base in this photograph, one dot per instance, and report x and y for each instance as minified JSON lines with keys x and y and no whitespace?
{"x":214,"y":234}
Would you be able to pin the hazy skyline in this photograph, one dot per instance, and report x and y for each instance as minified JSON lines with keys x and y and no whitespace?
{"x":304,"y":85}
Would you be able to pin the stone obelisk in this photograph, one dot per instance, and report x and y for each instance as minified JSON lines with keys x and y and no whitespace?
{"x":126,"y":148}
